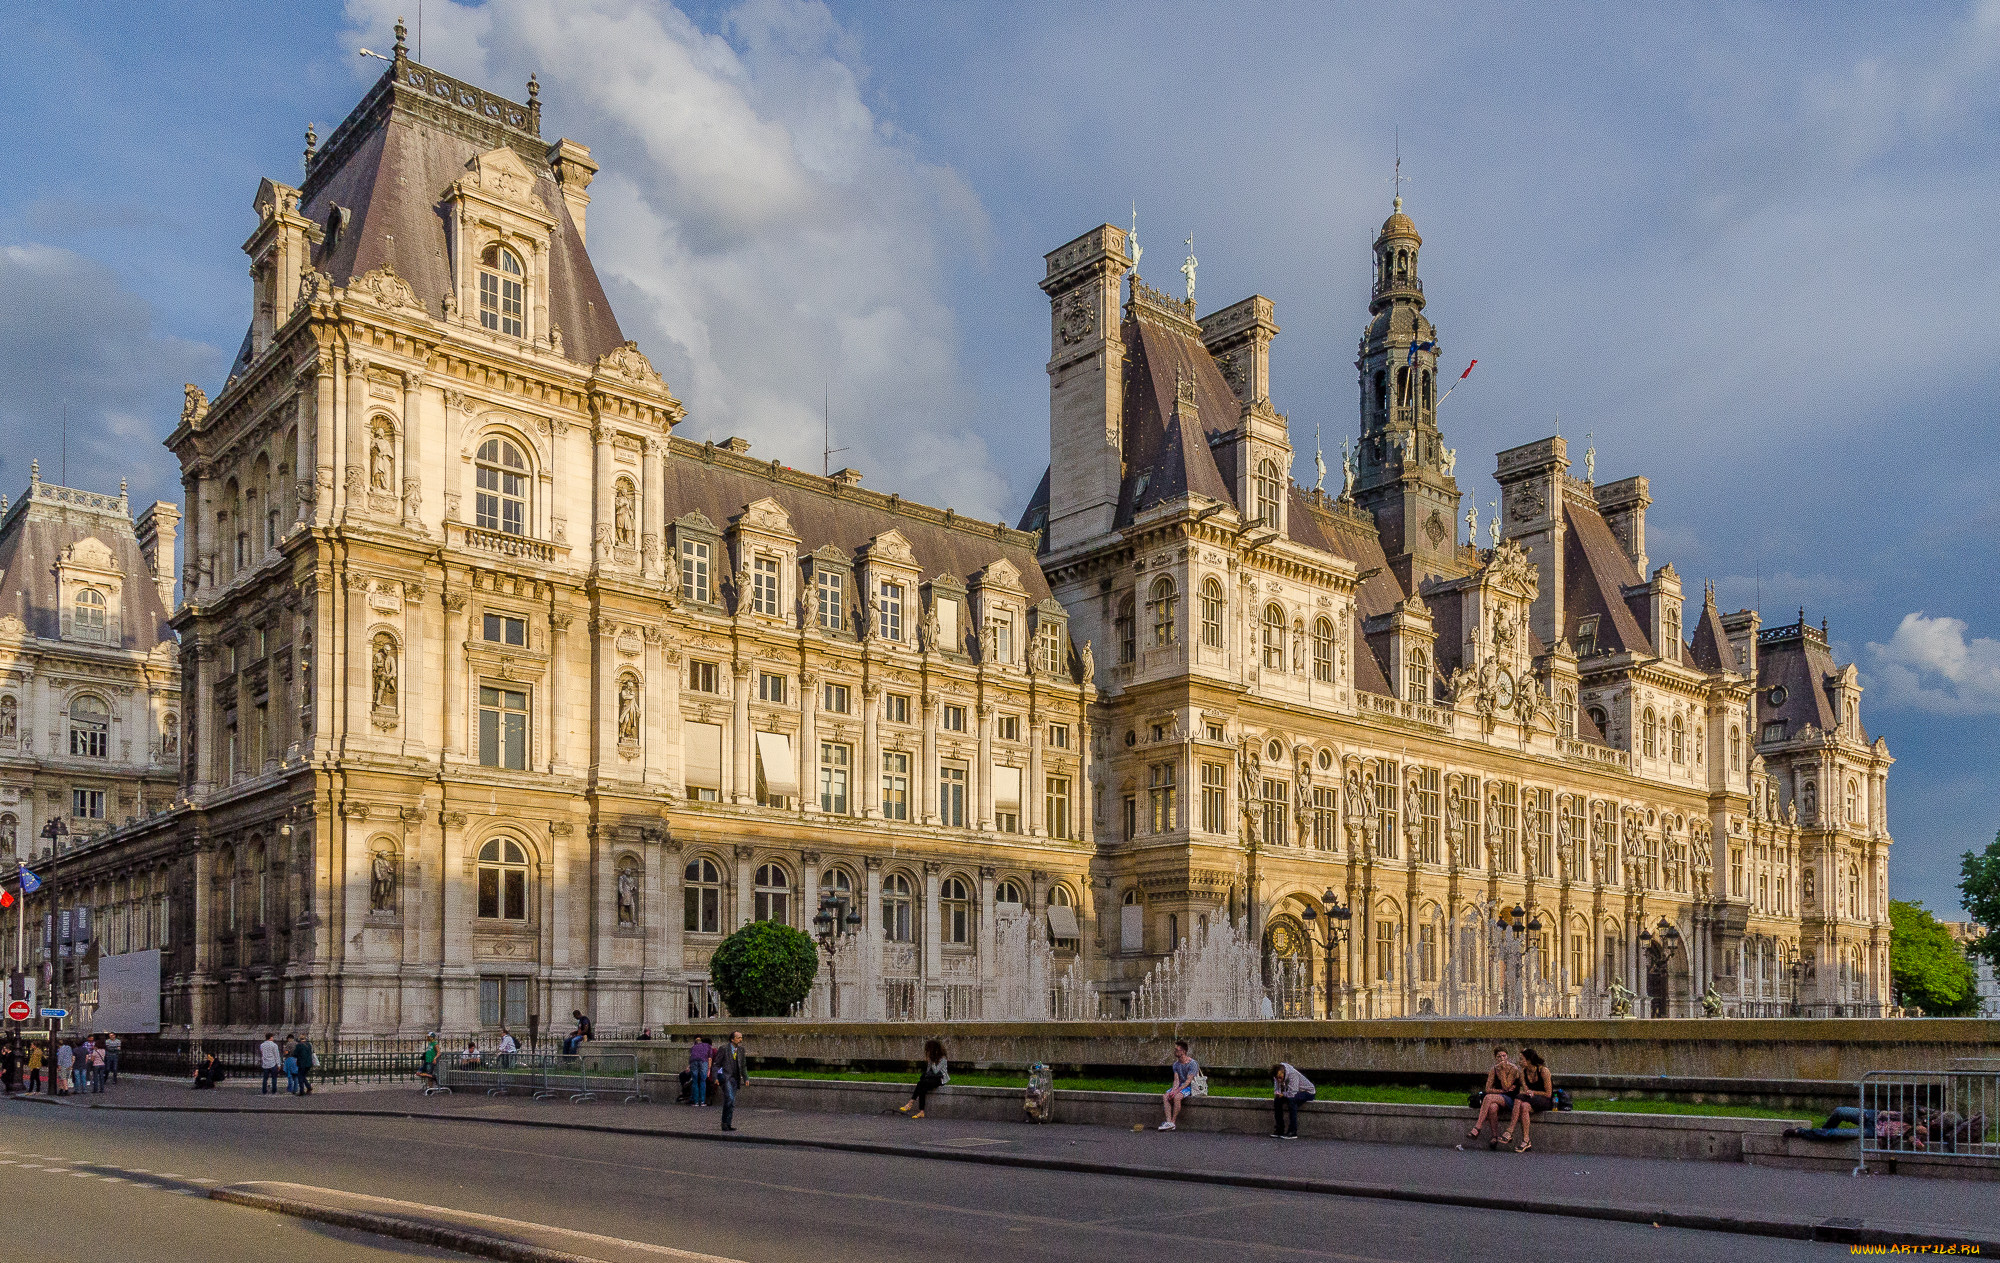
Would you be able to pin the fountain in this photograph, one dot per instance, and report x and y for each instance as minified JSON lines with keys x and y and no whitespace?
{"x":1215,"y":974}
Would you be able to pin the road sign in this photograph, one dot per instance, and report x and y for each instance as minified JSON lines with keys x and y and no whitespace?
{"x":20,"y":1011}
{"x":55,"y":1012}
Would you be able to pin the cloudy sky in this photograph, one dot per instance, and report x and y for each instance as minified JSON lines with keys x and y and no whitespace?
{"x":1748,"y":250}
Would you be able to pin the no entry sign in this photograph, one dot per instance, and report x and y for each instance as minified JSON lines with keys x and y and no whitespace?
{"x":19,"y":1010}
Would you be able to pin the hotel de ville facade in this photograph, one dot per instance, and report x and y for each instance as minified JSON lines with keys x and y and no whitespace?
{"x":499,"y":700}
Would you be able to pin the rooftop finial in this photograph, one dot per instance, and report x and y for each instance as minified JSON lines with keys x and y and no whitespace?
{"x":121,"y":488}
{"x":35,"y":475}
{"x":1319,"y":461}
{"x":402,"y":40}
{"x":1132,"y":242}
{"x":312,"y":144}
{"x":1396,"y":182}
{"x":534,"y":90}
{"x":1187,"y":269}
{"x":1589,"y":458}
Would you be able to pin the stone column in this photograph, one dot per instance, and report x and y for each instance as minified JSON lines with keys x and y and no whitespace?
{"x":559,"y":880}
{"x":559,"y":699}
{"x":357,"y":434}
{"x":868,"y":776}
{"x":871,"y":939}
{"x":603,"y":497}
{"x":413,"y":459}
{"x":926,"y":775}
{"x":743,"y":786}
{"x":807,"y":755}
{"x":454,"y":674}
{"x":652,"y":528}
{"x":745,"y":887}
{"x":673,"y":921}
{"x":1086,"y":786}
{"x":203,"y":924}
{"x":933,"y":946}
{"x":1035,"y":809}
{"x":325,"y":473}
{"x":982,"y":770}
{"x":988,"y":941}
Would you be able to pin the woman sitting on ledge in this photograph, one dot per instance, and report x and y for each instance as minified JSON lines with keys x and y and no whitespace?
{"x":1537,"y":1093}
{"x":1498,"y":1094}
{"x":936,"y":1073}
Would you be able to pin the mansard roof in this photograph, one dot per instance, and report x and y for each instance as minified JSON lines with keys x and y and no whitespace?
{"x":388,"y":167}
{"x":1166,"y":451}
{"x":1598,"y":571}
{"x":1710,"y":647}
{"x":1797,"y":659}
{"x":719,"y":484}
{"x":49,"y":520}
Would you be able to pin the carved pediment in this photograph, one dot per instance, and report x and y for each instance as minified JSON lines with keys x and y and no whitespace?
{"x":1510,"y":568}
{"x":890,"y":546}
{"x":765,"y":515}
{"x":504,"y":176}
{"x":1001,"y":574}
{"x":696,"y":520}
{"x":629,"y":364}
{"x":88,"y":553}
{"x":384,"y":288}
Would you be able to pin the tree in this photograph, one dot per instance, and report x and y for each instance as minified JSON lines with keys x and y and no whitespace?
{"x":764,"y":969}
{"x":1926,"y":964}
{"x":1979,"y":888}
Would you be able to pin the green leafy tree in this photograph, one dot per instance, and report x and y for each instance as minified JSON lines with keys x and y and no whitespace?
{"x":1979,"y":888}
{"x":1926,"y":964}
{"x":764,"y":969}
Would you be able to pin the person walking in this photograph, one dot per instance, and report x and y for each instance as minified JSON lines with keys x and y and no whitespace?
{"x":700,"y":1053}
{"x":291,"y":1066}
{"x":34,"y":1067}
{"x":65,"y":1069}
{"x":935,"y":1074}
{"x":732,"y":1071}
{"x":1289,"y":1090}
{"x":1498,"y":1094}
{"x":429,"y":1071}
{"x":1538,"y":1093}
{"x":303,"y":1051}
{"x":112,"y":1047}
{"x":507,"y":1049}
{"x":269,"y":1060}
{"x":10,"y":1064}
{"x":1186,"y":1072}
{"x":95,"y":1067}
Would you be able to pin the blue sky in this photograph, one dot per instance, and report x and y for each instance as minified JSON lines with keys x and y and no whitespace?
{"x":1748,"y":249}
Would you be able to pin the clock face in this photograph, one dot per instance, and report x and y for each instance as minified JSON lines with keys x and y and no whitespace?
{"x":1505,"y":690}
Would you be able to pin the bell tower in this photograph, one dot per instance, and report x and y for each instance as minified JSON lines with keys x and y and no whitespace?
{"x":1403,"y":474}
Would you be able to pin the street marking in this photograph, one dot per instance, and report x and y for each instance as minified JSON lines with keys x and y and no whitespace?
{"x":970,"y":1142}
{"x":200,"y":1179}
{"x":168,"y":1175}
{"x":84,"y":1175}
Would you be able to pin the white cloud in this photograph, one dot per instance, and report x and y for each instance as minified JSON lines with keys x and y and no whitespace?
{"x":765,"y":237}
{"x":72,"y":336}
{"x":1930,"y":665}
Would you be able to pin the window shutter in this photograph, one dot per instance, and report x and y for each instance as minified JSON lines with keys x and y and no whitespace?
{"x":1062,"y":921}
{"x":781,"y":770}
{"x":704,"y":756}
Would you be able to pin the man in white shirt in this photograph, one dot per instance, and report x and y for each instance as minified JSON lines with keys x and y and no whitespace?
{"x":271,"y":1061}
{"x":507,"y":1049}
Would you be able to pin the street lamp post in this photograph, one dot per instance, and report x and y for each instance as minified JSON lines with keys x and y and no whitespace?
{"x":54,"y":830}
{"x":1326,"y":926}
{"x":1514,"y":925}
{"x":1669,"y":937}
{"x":835,"y":920}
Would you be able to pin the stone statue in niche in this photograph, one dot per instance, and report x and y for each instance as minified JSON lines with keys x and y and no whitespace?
{"x":1089,"y":663}
{"x":8,"y":834}
{"x":381,"y":463}
{"x":625,"y":515}
{"x":170,"y":735}
{"x":385,"y":674}
{"x":382,"y":883}
{"x":628,"y":896}
{"x":10,"y":718}
{"x":628,"y":710}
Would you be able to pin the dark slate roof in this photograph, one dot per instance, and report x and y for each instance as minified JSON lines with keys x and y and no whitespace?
{"x":1710,"y":647}
{"x":1166,"y":452}
{"x":1598,"y":572}
{"x":720,"y":484}
{"x":1797,"y":659}
{"x":390,"y":168}
{"x":1379,"y":593}
{"x":33,"y":536}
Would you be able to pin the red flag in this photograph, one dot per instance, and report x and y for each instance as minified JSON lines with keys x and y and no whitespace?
{"x":6,"y":898}
{"x":1468,"y":371}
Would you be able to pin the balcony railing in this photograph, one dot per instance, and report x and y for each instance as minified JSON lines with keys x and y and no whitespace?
{"x":502,"y":544}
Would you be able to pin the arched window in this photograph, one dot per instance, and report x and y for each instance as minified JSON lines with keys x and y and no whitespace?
{"x":1381,"y":389}
{"x":1128,"y":635}
{"x":500,"y":291}
{"x":1672,"y":648}
{"x":1323,"y":650}
{"x":702,"y":890}
{"x":1598,"y":717}
{"x":1680,"y":739}
{"x":1007,"y":892}
{"x":502,"y":500}
{"x":957,"y":907}
{"x":1059,"y":897}
{"x":503,"y":881}
{"x":1165,"y":604}
{"x":1650,"y":732}
{"x":1735,"y":748}
{"x":1417,"y":676}
{"x":1268,"y":490}
{"x":1853,"y":802}
{"x":772,"y":898}
{"x":1427,"y":389}
{"x":896,"y":908}
{"x":1854,"y":891}
{"x":1274,"y":637}
{"x":87,"y":614}
{"x":1402,"y":385}
{"x":89,"y":728}
{"x":1566,"y":714}
{"x":1211,"y":613}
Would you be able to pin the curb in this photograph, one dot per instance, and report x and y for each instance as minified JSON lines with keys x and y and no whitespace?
{"x":1834,"y":1231}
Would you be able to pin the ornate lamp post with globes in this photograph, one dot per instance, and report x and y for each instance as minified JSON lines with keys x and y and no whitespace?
{"x":835,"y":921}
{"x":1326,"y":927}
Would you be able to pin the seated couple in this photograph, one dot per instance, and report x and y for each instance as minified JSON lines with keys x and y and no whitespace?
{"x":1525,"y":1090}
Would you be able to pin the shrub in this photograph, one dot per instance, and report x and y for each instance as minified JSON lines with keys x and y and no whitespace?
{"x":764,"y":969}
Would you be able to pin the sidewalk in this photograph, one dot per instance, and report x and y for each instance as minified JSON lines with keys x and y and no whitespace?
{"x":1728,"y":1197}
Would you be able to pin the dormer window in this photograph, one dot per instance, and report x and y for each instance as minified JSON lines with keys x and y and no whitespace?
{"x":502,"y":500}
{"x":889,"y":611}
{"x":832,"y":612}
{"x":87,"y":614}
{"x":1267,"y":493}
{"x":500,"y":291}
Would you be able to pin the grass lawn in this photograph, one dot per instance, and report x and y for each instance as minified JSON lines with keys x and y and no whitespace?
{"x":1334,"y":1092}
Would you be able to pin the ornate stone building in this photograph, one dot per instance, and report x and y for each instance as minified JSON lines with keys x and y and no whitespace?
{"x":1308,"y":693}
{"x":505,"y":700}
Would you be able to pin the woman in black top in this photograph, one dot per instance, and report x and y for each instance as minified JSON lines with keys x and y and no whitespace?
{"x":1537,"y":1093}
{"x":936,"y":1073}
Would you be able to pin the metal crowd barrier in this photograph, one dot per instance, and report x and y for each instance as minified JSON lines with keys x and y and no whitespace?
{"x":581,"y":1077}
{"x":1948,"y":1114}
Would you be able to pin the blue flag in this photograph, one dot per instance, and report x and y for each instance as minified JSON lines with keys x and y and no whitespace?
{"x":29,"y":882}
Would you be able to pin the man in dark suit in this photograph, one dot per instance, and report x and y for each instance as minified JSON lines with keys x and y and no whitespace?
{"x":733,"y":1069}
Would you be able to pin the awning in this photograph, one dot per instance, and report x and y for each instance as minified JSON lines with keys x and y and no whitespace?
{"x":1062,"y":921}
{"x":704,"y":755}
{"x":1007,"y":789}
{"x":781,"y":770}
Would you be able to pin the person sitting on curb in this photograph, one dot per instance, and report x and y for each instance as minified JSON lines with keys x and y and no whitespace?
{"x":1186,"y":1070}
{"x":1498,"y":1094}
{"x":935,"y":1074}
{"x":1289,"y":1090}
{"x":1538,"y":1093}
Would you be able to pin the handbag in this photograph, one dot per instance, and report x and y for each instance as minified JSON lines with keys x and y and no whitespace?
{"x":1198,"y":1086}
{"x":1476,"y":1100}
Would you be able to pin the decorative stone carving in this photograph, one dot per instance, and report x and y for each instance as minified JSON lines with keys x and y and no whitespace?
{"x":628,"y":895}
{"x":385,"y":678}
{"x":625,"y":514}
{"x":1078,"y":319}
{"x":381,"y":458}
{"x":628,"y":363}
{"x":382,"y":882}
{"x":194,"y":406}
{"x":383,"y":286}
{"x":628,"y":712}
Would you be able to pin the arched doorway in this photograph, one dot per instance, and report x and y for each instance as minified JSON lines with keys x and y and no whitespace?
{"x":1288,"y":969}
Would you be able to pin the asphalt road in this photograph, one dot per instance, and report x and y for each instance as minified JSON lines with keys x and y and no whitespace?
{"x":761,"y":1204}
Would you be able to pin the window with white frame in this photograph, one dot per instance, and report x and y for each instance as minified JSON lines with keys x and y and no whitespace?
{"x":703,"y":677}
{"x":696,"y":577}
{"x":86,"y":804}
{"x":500,"y":498}
{"x":832,"y":609}
{"x":499,"y":629}
{"x":1059,"y":736}
{"x":1008,"y":728}
{"x":701,"y":892}
{"x":1269,"y":488}
{"x":889,"y":610}
{"x":503,"y":727}
{"x":1055,"y":806}
{"x":896,"y":708}
{"x":503,"y":881}
{"x":1274,"y":637}
{"x":1211,"y":613}
{"x":1323,"y":650}
{"x":1164,"y":603}
{"x":1214,"y":782}
{"x":1417,"y":675}
{"x":954,"y":718}
{"x":951,"y":795}
{"x":764,"y":586}
{"x":834,"y":759}
{"x":835,"y":698}
{"x":895,"y":785}
{"x":500,"y":291}
{"x":1003,"y":637}
{"x":89,"y":728}
{"x":87,"y":614}
{"x":771,"y":687}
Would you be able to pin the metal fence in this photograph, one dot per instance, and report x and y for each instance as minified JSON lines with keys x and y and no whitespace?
{"x":580,"y":1076}
{"x":1949,"y":1114}
{"x":370,"y":1061}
